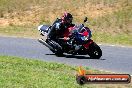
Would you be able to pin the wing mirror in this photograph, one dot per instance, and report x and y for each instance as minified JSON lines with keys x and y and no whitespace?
{"x":86,"y":19}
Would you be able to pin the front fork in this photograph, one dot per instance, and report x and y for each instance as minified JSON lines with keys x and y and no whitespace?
{"x":88,"y":43}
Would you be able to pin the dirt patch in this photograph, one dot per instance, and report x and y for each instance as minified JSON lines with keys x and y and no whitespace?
{"x":98,"y":10}
{"x":4,"y":22}
{"x":36,"y":14}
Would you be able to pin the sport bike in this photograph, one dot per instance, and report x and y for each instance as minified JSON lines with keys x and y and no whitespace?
{"x":76,"y":41}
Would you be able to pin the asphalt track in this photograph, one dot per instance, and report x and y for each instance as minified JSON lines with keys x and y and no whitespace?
{"x":115,"y":58}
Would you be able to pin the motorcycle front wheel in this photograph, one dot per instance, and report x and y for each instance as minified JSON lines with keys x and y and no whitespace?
{"x":94,"y":51}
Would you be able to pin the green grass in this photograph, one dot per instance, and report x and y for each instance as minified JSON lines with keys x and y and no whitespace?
{"x":120,"y":39}
{"x":20,"y":31}
{"x":26,"y":73}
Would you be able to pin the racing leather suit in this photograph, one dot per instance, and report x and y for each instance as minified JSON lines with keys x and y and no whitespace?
{"x":57,"y":30}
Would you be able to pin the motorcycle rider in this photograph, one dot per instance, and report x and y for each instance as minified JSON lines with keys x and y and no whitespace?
{"x":59,"y":27}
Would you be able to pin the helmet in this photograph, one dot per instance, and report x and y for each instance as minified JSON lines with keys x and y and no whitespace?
{"x":67,"y":18}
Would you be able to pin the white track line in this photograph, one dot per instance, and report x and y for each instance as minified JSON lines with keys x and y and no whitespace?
{"x":115,"y":45}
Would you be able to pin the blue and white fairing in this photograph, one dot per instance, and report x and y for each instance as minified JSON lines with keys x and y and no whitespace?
{"x":44,"y":29}
{"x":78,"y":33}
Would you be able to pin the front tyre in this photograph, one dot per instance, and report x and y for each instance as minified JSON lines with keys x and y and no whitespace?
{"x":95,"y":51}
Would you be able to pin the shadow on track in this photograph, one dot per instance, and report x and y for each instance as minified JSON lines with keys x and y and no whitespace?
{"x":76,"y":56}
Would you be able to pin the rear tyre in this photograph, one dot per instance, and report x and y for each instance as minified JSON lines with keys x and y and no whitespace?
{"x":95,"y":51}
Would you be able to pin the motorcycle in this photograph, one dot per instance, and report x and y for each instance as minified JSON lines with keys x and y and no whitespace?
{"x":77,"y":42}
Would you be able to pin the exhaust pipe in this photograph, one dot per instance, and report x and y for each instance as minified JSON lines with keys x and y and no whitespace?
{"x":47,"y":45}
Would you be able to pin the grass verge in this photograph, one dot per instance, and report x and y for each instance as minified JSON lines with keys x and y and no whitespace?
{"x":20,"y":31}
{"x":99,"y":37}
{"x":26,"y":73}
{"x":118,"y":39}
